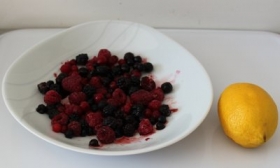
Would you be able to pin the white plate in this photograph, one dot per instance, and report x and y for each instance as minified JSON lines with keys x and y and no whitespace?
{"x":192,"y":93}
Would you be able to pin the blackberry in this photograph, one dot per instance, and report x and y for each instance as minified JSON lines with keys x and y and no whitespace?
{"x":135,"y":81}
{"x":69,"y":134}
{"x":160,"y":126}
{"x":128,"y":130}
{"x":81,"y":59}
{"x":90,"y":131}
{"x":125,"y":68}
{"x":94,"y":107}
{"x":94,"y":143}
{"x":137,"y":110}
{"x":92,"y":73}
{"x":50,"y":83}
{"x":102,"y":104}
{"x":89,"y":90}
{"x":43,"y":87}
{"x":137,"y":59}
{"x":118,"y":133}
{"x":42,"y":109}
{"x":110,"y":121}
{"x":131,"y":119}
{"x":123,"y":83}
{"x":60,"y":77}
{"x":108,"y":110}
{"x":118,"y":114}
{"x":52,"y":112}
{"x":162,"y":119}
{"x":148,"y":67}
{"x":105,"y":81}
{"x":103,"y":70}
{"x":116,"y":70}
{"x":132,"y":89}
{"x":84,"y":132}
{"x":74,"y":117}
{"x":83,"y":72}
{"x":166,"y":87}
{"x":128,"y":55}
{"x":57,"y":88}
{"x":164,"y":110}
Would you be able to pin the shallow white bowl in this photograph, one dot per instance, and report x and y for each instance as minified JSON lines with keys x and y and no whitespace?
{"x":192,"y":94}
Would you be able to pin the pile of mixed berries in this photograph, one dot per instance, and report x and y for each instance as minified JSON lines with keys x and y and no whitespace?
{"x":105,"y":96}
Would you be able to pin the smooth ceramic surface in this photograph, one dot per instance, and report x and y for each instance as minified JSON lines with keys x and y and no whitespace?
{"x":192,"y":93}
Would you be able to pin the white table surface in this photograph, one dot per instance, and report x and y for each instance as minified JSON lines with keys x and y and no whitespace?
{"x":228,"y":56}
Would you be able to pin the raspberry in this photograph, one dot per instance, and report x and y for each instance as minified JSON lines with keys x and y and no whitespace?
{"x":119,"y":95}
{"x":52,"y":97}
{"x":56,"y":127}
{"x":77,"y":97}
{"x":158,"y":94}
{"x":73,"y":109}
{"x":102,"y":60}
{"x":148,"y":83}
{"x":72,"y":83}
{"x":95,"y":82}
{"x":156,"y":114}
{"x":141,"y":97}
{"x":106,"y":135}
{"x":98,"y":97}
{"x":75,"y":126}
{"x":154,"y":104}
{"x":60,"y":118}
{"x":84,"y":105}
{"x":113,"y":60}
{"x":114,"y":102}
{"x":65,"y":68}
{"x":145,"y":127}
{"x":104,"y":53}
{"x":94,"y":119}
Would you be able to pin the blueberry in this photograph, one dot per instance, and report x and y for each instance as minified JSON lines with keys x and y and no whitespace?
{"x":166,"y":87}
{"x":164,"y":110}
{"x":69,"y":134}
{"x":148,"y":67}
{"x":93,"y":142}
{"x":162,"y":119}
{"x":160,"y":126}
{"x":137,"y":59}
{"x":128,"y":56}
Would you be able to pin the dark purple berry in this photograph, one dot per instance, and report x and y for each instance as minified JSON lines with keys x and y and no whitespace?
{"x":125,"y":68}
{"x":166,"y":87}
{"x":128,"y":130}
{"x":60,"y":77}
{"x":94,"y":143}
{"x":83,"y":72}
{"x":148,"y":67}
{"x":81,"y":59}
{"x":137,"y":59}
{"x":42,"y":109}
{"x":160,"y":126}
{"x":43,"y":87}
{"x":89,"y":90}
{"x":162,"y":119}
{"x":128,"y":56}
{"x":164,"y":110}
{"x":69,"y":134}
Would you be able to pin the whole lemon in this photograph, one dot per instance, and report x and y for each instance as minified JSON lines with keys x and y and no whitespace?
{"x":248,"y":114}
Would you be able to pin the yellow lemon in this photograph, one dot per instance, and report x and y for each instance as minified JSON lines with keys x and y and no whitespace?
{"x":248,"y":114}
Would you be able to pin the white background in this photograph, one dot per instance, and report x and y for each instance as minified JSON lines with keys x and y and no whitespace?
{"x":202,"y":14}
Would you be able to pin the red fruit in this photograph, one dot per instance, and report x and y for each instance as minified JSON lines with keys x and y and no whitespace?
{"x":72,"y":83}
{"x":102,"y":60}
{"x":75,"y":126}
{"x":154,"y":104}
{"x":57,"y":127}
{"x":136,"y":73}
{"x":101,"y":90}
{"x":148,"y":83}
{"x":104,"y":53}
{"x":84,"y":105}
{"x":156,"y":114}
{"x":60,"y":118}
{"x":148,"y":113}
{"x":95,"y":81}
{"x":65,"y":68}
{"x":121,"y":61}
{"x":94,"y":119}
{"x":119,"y":95}
{"x":52,"y":97}
{"x":113,"y":85}
{"x":145,"y":127}
{"x":114,"y":102}
{"x":126,"y":108}
{"x":141,"y":97}
{"x":73,"y":109}
{"x":113,"y":60}
{"x":77,"y":97}
{"x":98,"y":97}
{"x":74,"y":68}
{"x":158,"y":94}
{"x":106,"y":135}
